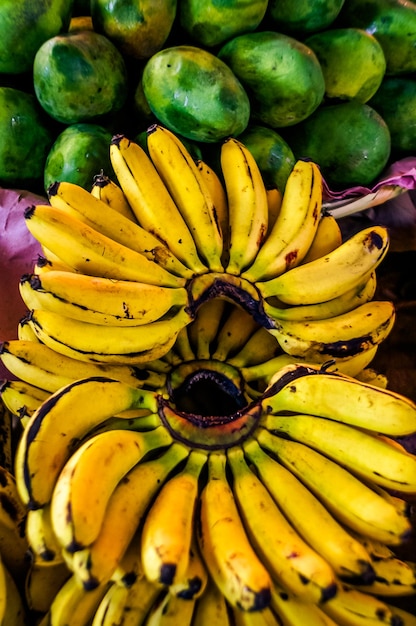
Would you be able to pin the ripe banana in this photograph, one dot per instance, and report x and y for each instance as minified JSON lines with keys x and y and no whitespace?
{"x":43,"y":449}
{"x":43,"y":581}
{"x":180,"y":174}
{"x":350,"y":500}
{"x":288,"y":558}
{"x":109,"y":192}
{"x":394,"y":578}
{"x":260,"y":347}
{"x":13,"y":540}
{"x":294,"y":228}
{"x":346,"y":555}
{"x":124,"y":514}
{"x":331,"y":275}
{"x":73,"y":605}
{"x":225,"y":547}
{"x":307,"y":389}
{"x":100,"y":300}
{"x":171,"y":611}
{"x":21,"y":398}
{"x":41,"y":535}
{"x":166,"y":538}
{"x":111,"y":608}
{"x":351,"y":607}
{"x":204,"y":328}
{"x":247,"y":204}
{"x":294,"y":612}
{"x":337,"y":337}
{"x":194,"y":583}
{"x":328,"y":237}
{"x":79,"y":203}
{"x":234,"y":333}
{"x":151,"y":202}
{"x":12,"y":608}
{"x":373,"y":458}
{"x":266,"y":617}
{"x":274,"y":205}
{"x":219,"y":198}
{"x":211,"y":608}
{"x":90,"y":342}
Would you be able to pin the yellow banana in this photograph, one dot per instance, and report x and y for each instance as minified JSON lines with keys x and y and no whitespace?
{"x":124,"y":514}
{"x":87,"y":480}
{"x":43,"y":448}
{"x":13,"y":540}
{"x":288,"y":558}
{"x":274,"y":205}
{"x":41,"y":535}
{"x":73,"y":605}
{"x":151,"y":202}
{"x":234,"y":333}
{"x":328,"y":237}
{"x":331,"y":275}
{"x":225,"y":547}
{"x":266,"y":617}
{"x":394,"y":578}
{"x":195,"y":580}
{"x":100,"y":300}
{"x":107,"y":344}
{"x":24,"y":331}
{"x":309,"y":389}
{"x":219,"y":197}
{"x":12,"y":609}
{"x":350,"y":500}
{"x":166,"y":538}
{"x":180,"y":174}
{"x":211,"y":608}
{"x":247,"y":204}
{"x":21,"y":398}
{"x":111,"y":608}
{"x":341,"y":336}
{"x":407,"y":619}
{"x":43,"y":582}
{"x":86,"y":250}
{"x":351,"y":607}
{"x":204,"y":328}
{"x":171,"y":610}
{"x":260,"y":347}
{"x":373,"y":458}
{"x":292,"y":611}
{"x":312,"y":520}
{"x":109,"y":192}
{"x":294,"y":228}
{"x":79,"y":203}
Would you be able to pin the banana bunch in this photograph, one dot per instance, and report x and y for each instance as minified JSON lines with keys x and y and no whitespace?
{"x":126,"y":267}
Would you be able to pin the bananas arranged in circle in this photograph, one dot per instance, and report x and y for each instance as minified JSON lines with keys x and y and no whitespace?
{"x":201,"y":442}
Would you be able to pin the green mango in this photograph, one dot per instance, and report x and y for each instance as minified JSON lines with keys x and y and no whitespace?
{"x":79,"y":76}
{"x":195,"y":94}
{"x":24,"y":26}
{"x":25,"y":139}
{"x":138,"y":28}
{"x":211,"y":23}
{"x":79,"y":153}
{"x":282,"y":76}
{"x":392,"y":23}
{"x":272,"y":154}
{"x":300,"y":17}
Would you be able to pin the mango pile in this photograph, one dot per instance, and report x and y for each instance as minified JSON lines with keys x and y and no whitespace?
{"x":334,"y":82}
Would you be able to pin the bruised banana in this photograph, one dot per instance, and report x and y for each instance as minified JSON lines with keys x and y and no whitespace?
{"x":335,"y":273}
{"x":182,"y":178}
{"x":100,"y":300}
{"x":106,"y":190}
{"x":247,"y":204}
{"x":153,"y":206}
{"x":295,"y":226}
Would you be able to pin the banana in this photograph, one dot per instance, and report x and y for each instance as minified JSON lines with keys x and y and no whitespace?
{"x":225,"y":547}
{"x":153,"y":206}
{"x":124,"y":514}
{"x":9,"y":429}
{"x":87,"y":480}
{"x":331,"y":275}
{"x":43,"y":448}
{"x":195,"y":581}
{"x":312,"y":520}
{"x":219,"y":197}
{"x":351,"y":607}
{"x":234,"y":333}
{"x":131,"y":345}
{"x":41,"y":535}
{"x":182,"y":178}
{"x":21,"y":398}
{"x":294,"y":228}
{"x":48,"y":261}
{"x":13,"y":540}
{"x":247,"y":204}
{"x":204,"y":328}
{"x":42,"y":367}
{"x":73,"y":605}
{"x":354,"y":297}
{"x":266,"y":617}
{"x":109,"y":192}
{"x":308,"y":389}
{"x":211,"y":608}
{"x":294,"y":612}
{"x":86,"y":250}
{"x":171,"y":610}
{"x":373,"y":458}
{"x":166,"y":538}
{"x":79,"y":203}
{"x":394,"y":577}
{"x":259,"y":348}
{"x":296,"y":566}
{"x":12,"y":609}
{"x":182,"y":349}
{"x":350,"y":500}
{"x":327,"y":238}
{"x":100,"y":300}
{"x":111,"y":608}
{"x":43,"y":582}
{"x":274,"y":205}
{"x":404,"y":618}
{"x":337,"y":337}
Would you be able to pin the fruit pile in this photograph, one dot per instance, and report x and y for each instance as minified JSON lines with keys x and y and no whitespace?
{"x":334,"y":82}
{"x":201,"y":438}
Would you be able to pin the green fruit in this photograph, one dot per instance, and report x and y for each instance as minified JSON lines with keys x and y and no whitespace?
{"x":195,"y":94}
{"x":349,"y":141}
{"x":138,"y":28}
{"x":25,"y":138}
{"x":211,"y":23}
{"x":282,"y":76}
{"x":395,"y":101}
{"x":392,"y":23}
{"x":303,"y":16}
{"x":272,"y":153}
{"x":352,"y":61}
{"x":79,"y":153}
{"x":24,"y":26}
{"x":79,"y":76}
